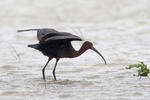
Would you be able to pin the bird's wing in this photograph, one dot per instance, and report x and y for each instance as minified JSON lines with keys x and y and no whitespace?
{"x":59,"y":36}
{"x":49,"y":34}
{"x":41,"y":32}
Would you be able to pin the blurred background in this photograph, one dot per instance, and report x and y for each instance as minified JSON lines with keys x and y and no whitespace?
{"x":119,"y":29}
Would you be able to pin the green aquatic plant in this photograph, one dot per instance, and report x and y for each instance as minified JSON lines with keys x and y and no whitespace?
{"x":142,"y":69}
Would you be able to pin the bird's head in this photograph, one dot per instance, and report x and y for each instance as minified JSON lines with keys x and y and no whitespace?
{"x":89,"y":45}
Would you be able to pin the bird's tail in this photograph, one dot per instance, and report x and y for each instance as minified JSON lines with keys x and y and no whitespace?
{"x":28,"y":30}
{"x":35,"y":46}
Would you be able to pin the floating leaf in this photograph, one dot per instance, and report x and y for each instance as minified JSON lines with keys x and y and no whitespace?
{"x":142,"y":69}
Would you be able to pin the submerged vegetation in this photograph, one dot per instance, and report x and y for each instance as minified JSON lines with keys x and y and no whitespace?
{"x":142,"y":69}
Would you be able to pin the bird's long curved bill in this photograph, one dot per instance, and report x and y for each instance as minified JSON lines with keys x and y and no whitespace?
{"x":99,"y":54}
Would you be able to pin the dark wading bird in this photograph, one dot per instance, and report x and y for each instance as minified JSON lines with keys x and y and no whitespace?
{"x":55,"y":44}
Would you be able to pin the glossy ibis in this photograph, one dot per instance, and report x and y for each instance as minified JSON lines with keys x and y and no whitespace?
{"x":55,"y":44}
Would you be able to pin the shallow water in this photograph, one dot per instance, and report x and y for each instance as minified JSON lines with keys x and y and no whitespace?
{"x":119,"y":29}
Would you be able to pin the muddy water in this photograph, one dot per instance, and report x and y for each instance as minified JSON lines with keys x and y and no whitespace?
{"x":119,"y":29}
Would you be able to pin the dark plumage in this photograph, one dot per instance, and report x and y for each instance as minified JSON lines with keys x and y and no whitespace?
{"x":55,"y":44}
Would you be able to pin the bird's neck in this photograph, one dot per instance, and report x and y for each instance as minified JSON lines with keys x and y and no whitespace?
{"x":80,"y":51}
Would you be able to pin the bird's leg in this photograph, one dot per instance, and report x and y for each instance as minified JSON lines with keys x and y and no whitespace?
{"x":57,"y":59}
{"x":43,"y":70}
